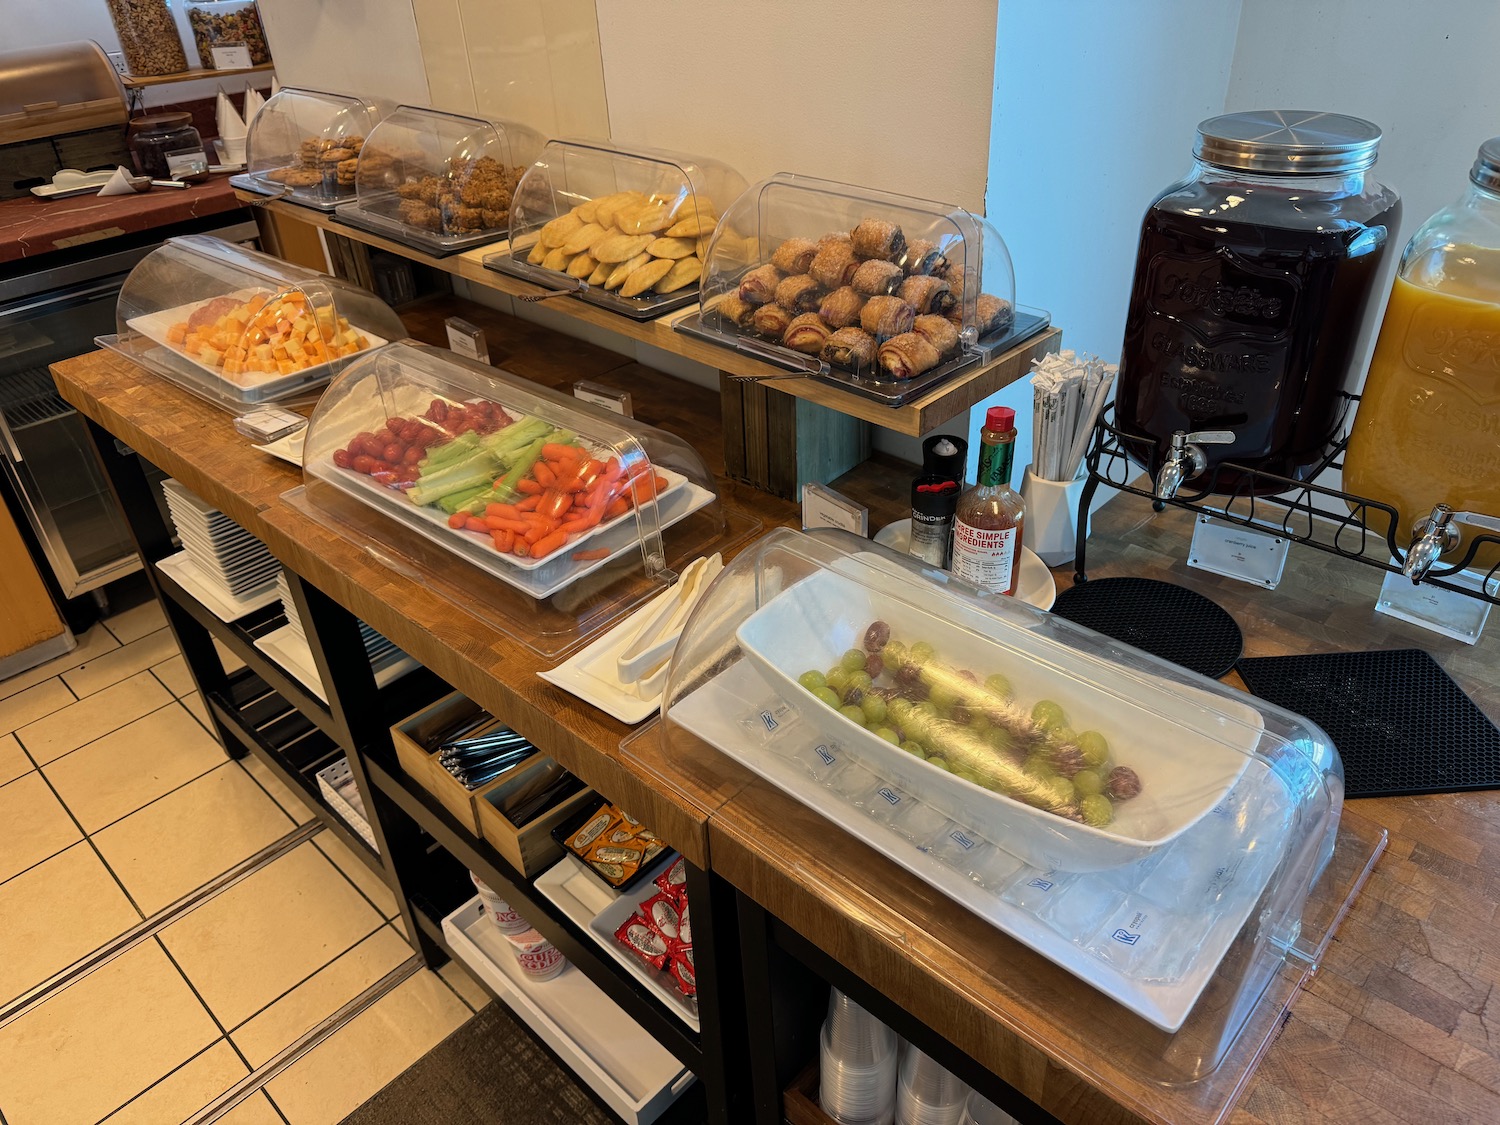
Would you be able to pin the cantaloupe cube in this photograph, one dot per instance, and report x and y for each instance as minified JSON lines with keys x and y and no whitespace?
{"x":177,"y":333}
{"x":286,"y":367}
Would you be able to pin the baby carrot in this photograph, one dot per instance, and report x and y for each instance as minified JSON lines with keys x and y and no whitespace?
{"x":529,"y":487}
{"x":544,"y":475}
{"x":548,"y":543}
{"x":590,"y":556}
{"x":506,"y":511}
{"x":616,"y":507}
{"x":529,"y":504}
{"x":475,"y":524}
{"x":500,"y":523}
{"x":504,"y":540}
{"x":457,"y":520}
{"x":554,"y":504}
{"x":554,"y":451}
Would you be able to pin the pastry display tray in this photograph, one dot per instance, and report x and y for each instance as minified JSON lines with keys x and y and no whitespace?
{"x":427,"y":242}
{"x":254,"y":182}
{"x":889,"y":392}
{"x":1149,"y":934}
{"x":637,"y":308}
{"x":154,"y":326}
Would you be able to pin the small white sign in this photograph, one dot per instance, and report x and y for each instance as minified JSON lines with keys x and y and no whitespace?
{"x":823,"y":507}
{"x":1443,"y":611}
{"x":617,"y":401}
{"x":232,"y":58}
{"x":1237,"y":551}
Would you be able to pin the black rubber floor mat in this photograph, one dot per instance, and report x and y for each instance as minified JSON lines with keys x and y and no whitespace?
{"x":1162,"y":618}
{"x":1400,"y":723}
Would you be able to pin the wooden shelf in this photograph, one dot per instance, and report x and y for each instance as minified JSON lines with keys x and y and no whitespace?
{"x":134,"y":82}
{"x":914,"y":419}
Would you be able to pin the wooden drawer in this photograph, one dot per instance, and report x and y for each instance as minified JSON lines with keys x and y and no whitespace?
{"x":421,"y":765}
{"x":530,"y":847}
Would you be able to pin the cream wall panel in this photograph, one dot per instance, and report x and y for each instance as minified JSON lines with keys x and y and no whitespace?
{"x":537,"y":62}
{"x":367,"y":48}
{"x":885,"y":93}
{"x":445,"y":55}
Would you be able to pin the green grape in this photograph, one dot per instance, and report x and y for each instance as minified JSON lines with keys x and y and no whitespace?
{"x":853,"y":660}
{"x":970,"y":775}
{"x":889,"y":735}
{"x":899,"y":710}
{"x":894,"y":654}
{"x":812,"y":680}
{"x":1039,"y":766}
{"x":853,"y":714}
{"x":1063,"y":788}
{"x":913,"y":748}
{"x":927,"y":707}
{"x":1095,"y":748}
{"x":838,"y":680}
{"x":1000,"y":739}
{"x":1049,"y":715}
{"x":1088,"y":783}
{"x":861,"y":680}
{"x":942,"y":697}
{"x":999,"y":685}
{"x":940,"y":761}
{"x":979,"y":723}
{"x":920,"y":653}
{"x":1096,"y":810}
{"x":1067,"y":735}
{"x":827,"y":696}
{"x":875,"y":710}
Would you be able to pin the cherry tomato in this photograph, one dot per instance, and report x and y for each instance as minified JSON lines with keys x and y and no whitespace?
{"x":343,"y":458}
{"x":384,"y":437}
{"x":363,"y":463}
{"x":362,"y":443}
{"x":393,"y":452}
{"x":395,"y":424}
{"x":412,"y":456}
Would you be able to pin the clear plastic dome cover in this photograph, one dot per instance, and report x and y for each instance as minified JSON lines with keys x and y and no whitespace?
{"x":1136,"y":824}
{"x":304,"y":146}
{"x":534,"y":511}
{"x":886,"y":293}
{"x":626,"y":228}
{"x":440,"y":182}
{"x":238,"y":327}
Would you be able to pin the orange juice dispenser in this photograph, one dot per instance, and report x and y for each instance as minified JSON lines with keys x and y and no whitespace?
{"x":1428,"y":428}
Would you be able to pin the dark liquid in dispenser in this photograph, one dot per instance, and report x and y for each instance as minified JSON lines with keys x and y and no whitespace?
{"x":1252,"y":328}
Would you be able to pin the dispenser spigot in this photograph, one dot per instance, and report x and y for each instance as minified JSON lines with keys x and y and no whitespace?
{"x":1435,"y":534}
{"x":1186,"y":459}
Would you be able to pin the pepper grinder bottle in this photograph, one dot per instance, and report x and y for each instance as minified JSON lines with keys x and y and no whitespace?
{"x":934,"y":498}
{"x":1428,"y":427}
{"x":990,"y":519}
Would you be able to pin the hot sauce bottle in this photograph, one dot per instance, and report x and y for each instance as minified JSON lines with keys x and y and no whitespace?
{"x":988,"y":524}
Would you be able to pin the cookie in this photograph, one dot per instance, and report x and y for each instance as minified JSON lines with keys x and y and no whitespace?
{"x":559,"y":230}
{"x":538,"y":253}
{"x":337,"y":155}
{"x":623,"y":270}
{"x":586,"y":211}
{"x":583,"y":265}
{"x":684,"y":271}
{"x":302,"y":177}
{"x":673,"y":248}
{"x":644,"y":278}
{"x":620,"y":247}
{"x":691,"y":227}
{"x":601,"y":272}
{"x":607,"y":208}
{"x":647,"y":218}
{"x":584,"y":238}
{"x":556,"y":259}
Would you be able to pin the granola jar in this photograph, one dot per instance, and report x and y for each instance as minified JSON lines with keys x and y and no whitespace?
{"x":148,"y":36}
{"x":225,"y":24}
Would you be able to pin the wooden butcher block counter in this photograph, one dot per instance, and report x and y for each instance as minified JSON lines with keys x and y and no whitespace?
{"x":1394,"y":1026}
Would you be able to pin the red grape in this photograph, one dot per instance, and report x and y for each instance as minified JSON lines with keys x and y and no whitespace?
{"x":343,"y":458}
{"x":363,"y":463}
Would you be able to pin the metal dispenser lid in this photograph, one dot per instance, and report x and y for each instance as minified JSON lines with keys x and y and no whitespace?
{"x":1288,"y":142}
{"x":1486,"y":170}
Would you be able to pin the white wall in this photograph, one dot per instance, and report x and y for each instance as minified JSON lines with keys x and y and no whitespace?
{"x":1095,"y":103}
{"x":885,"y":93}
{"x":369,"y":47}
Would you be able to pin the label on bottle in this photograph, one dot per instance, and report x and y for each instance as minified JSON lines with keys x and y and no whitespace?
{"x":931,"y":536}
{"x":996,"y":459}
{"x":985,"y":557}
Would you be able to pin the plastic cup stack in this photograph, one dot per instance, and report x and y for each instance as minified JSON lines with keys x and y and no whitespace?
{"x":928,"y":1094}
{"x":857,"y":1065}
{"x":981,"y":1111}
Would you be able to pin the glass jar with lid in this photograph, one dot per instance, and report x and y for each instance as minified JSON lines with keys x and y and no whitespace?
{"x":166,"y":144}
{"x":1255,"y":282}
{"x":148,"y":36}
{"x":1428,"y":427}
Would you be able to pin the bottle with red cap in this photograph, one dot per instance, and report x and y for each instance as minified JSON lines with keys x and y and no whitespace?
{"x":991,"y":515}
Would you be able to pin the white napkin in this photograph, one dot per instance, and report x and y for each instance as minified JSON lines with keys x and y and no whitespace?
{"x":118,"y":184}
{"x":254,"y":102}
{"x":275,"y":86}
{"x":230,"y":124}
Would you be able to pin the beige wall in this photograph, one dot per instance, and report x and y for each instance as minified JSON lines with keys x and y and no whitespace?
{"x":884,"y":93}
{"x":367,"y":48}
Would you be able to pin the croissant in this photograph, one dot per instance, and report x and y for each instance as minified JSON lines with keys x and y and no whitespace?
{"x":794,"y":255}
{"x":906,"y":356}
{"x":853,"y":348}
{"x":759,"y":285}
{"x":771,"y":320}
{"x":841,"y":307}
{"x":807,"y":333}
{"x":799,"y":293}
{"x":876,"y":238}
{"x":923,"y":257}
{"x":834,"y":263}
{"x":883,"y":317}
{"x":928,"y":294}
{"x":736,"y":310}
{"x":876,"y":276}
{"x":991,"y":314}
{"x":938,"y":331}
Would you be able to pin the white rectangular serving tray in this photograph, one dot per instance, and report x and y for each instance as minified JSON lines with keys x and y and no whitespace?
{"x":635,"y":1075}
{"x":155,"y":326}
{"x":599,"y":912}
{"x":1010,"y":895}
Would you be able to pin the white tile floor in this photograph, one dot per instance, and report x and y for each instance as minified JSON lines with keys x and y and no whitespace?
{"x":117,"y":801}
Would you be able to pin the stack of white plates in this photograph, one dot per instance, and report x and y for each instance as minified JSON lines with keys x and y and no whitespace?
{"x":382,"y":653}
{"x":227,"y":556}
